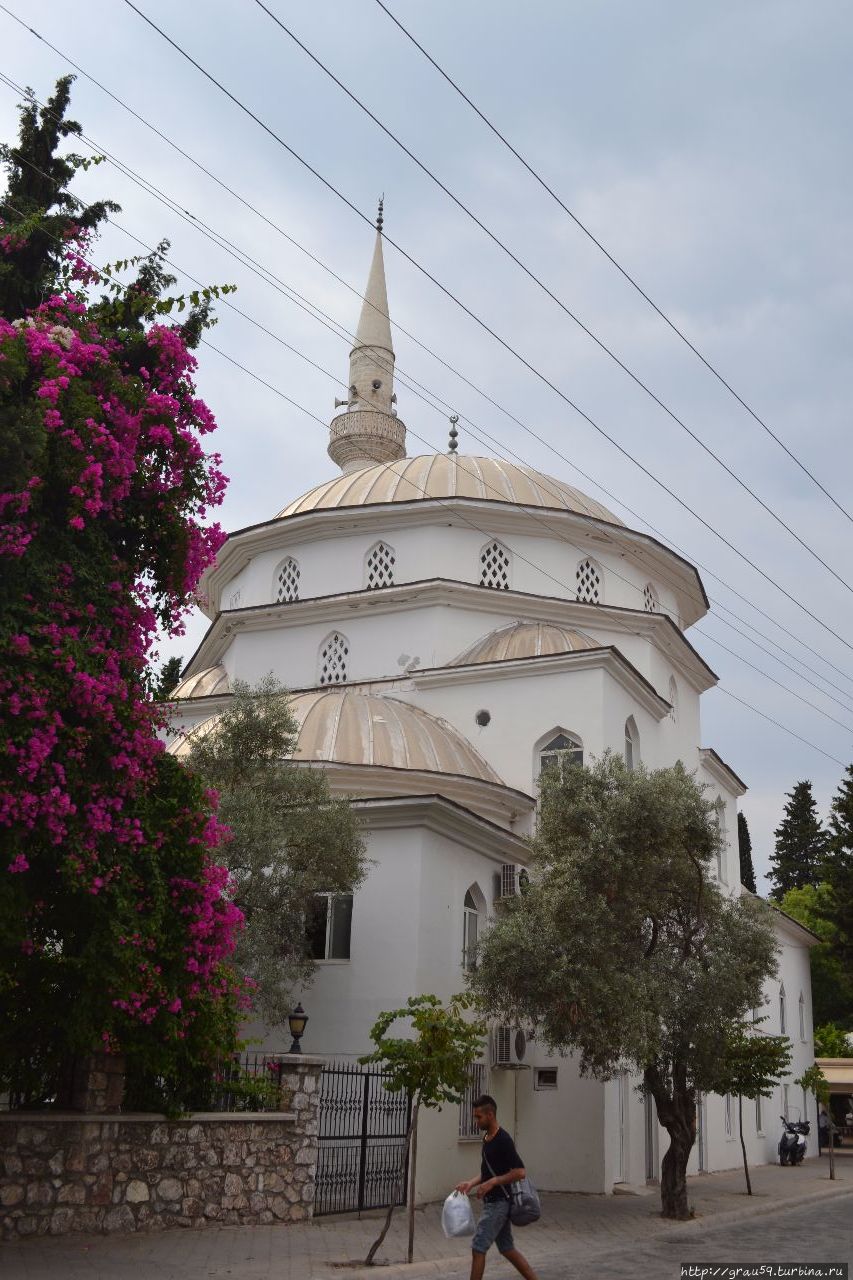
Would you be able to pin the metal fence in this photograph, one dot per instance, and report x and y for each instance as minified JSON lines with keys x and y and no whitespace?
{"x":361,"y":1160}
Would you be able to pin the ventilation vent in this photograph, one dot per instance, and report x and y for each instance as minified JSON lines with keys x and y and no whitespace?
{"x":494,"y":567}
{"x":380,"y":567}
{"x":333,"y":660}
{"x":287,"y":582}
{"x":651,"y":604}
{"x":589,"y":582}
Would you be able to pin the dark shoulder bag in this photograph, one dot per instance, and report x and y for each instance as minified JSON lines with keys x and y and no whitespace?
{"x":524,"y":1206}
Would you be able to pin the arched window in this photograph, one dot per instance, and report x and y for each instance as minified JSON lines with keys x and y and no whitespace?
{"x":563,"y":749}
{"x":494,"y":567}
{"x":673,"y":700}
{"x":470,"y":932}
{"x":334,"y":652}
{"x":783,"y":1012}
{"x":802,"y":1019}
{"x":589,"y":582}
{"x":651,"y":603}
{"x":632,"y":743}
{"x":379,"y":566}
{"x":287,"y":581}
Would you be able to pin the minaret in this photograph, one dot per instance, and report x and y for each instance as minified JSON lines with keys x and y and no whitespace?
{"x":369,"y":431}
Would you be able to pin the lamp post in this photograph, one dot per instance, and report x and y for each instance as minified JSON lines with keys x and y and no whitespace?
{"x":297,"y":1022}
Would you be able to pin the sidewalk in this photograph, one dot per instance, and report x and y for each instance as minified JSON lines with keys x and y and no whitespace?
{"x":572,"y":1225}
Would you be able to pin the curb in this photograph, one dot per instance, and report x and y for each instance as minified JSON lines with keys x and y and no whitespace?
{"x":440,"y":1266}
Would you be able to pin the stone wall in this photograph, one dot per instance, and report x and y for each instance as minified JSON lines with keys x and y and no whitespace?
{"x":103,"y":1173}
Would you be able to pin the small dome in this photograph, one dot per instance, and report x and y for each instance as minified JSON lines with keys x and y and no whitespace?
{"x":442,"y":476}
{"x":524,"y":640}
{"x":349,"y":727}
{"x":344,"y":726}
{"x":203,"y":684}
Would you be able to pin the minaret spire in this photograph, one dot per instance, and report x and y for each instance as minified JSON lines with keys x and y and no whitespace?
{"x":369,"y":431}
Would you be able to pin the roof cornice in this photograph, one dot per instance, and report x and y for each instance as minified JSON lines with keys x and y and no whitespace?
{"x":504,"y":517}
{"x":606,"y":658}
{"x":658,"y":627}
{"x":447,"y":818}
{"x":721,"y":772}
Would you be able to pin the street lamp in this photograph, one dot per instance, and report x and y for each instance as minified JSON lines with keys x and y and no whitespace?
{"x":297,"y":1022}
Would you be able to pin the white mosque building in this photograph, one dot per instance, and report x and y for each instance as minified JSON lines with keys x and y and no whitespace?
{"x":447,"y":623}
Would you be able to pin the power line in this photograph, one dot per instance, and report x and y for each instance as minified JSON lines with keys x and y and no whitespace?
{"x":482,"y":324}
{"x":635,"y":378}
{"x":622,"y":270}
{"x":457,"y":514}
{"x":445,"y":364}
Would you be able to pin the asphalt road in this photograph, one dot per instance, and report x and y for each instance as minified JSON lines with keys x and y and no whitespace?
{"x":810,"y":1233}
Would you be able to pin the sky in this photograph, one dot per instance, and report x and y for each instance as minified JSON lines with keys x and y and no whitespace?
{"x":707,"y":147}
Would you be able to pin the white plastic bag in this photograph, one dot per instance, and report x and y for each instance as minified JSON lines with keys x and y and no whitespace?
{"x":457,"y":1216}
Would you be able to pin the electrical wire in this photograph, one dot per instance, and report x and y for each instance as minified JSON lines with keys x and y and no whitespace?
{"x":635,"y":378}
{"x":610,"y":257}
{"x":480,"y":391}
{"x":482,"y":324}
{"x":457,"y":514}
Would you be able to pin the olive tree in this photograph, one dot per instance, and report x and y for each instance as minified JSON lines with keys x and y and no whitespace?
{"x":624,"y":949}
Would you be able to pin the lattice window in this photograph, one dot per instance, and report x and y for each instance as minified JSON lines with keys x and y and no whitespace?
{"x":588,"y":579}
{"x":475,"y":1087}
{"x":380,"y":566}
{"x":287,"y":581}
{"x":494,"y":567}
{"x":651,"y":603}
{"x":333,"y":659}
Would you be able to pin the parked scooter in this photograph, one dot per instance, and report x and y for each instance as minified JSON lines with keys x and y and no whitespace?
{"x":792,"y":1144}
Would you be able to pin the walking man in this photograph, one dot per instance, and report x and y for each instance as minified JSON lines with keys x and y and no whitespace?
{"x":500,"y":1164}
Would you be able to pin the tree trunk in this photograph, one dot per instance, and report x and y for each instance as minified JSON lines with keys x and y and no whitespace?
{"x":413,"y":1166}
{"x":676,"y":1110}
{"x":395,"y":1195}
{"x":743,"y":1144}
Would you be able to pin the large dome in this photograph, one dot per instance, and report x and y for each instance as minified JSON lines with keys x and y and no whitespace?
{"x":440,"y":475}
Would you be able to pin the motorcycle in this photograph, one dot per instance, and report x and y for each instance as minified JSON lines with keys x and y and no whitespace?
{"x":792,"y":1144}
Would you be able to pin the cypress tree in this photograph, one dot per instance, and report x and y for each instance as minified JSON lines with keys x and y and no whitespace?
{"x":801,"y":844}
{"x":838,"y":867}
{"x":744,"y":844}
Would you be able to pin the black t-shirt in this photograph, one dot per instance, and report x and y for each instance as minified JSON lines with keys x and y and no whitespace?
{"x":502,"y":1157}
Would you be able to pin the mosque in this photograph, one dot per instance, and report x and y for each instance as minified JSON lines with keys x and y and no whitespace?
{"x":448,"y":624}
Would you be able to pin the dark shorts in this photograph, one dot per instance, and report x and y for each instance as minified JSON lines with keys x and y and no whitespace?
{"x":493,"y":1228}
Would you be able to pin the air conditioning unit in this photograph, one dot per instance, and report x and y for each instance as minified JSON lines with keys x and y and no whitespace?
{"x":509,"y":1046}
{"x":511,"y":881}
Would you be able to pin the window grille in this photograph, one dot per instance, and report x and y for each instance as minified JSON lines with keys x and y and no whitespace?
{"x":470,"y":931}
{"x":545,"y":1078}
{"x":632,"y":744}
{"x":560,"y":751}
{"x":588,"y":582}
{"x":333,"y":660}
{"x":329,"y":926}
{"x":651,"y":604}
{"x":494,"y":567}
{"x":287,"y":581}
{"x":380,"y":567}
{"x":475,"y":1086}
{"x":673,"y":700}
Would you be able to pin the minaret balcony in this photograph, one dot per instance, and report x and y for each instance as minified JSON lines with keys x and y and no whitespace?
{"x":364,"y":437}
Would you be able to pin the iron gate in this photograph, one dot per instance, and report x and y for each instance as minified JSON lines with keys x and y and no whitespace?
{"x":361,"y":1141}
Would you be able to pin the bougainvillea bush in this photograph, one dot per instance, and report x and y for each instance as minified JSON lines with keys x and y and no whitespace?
{"x":117,"y":922}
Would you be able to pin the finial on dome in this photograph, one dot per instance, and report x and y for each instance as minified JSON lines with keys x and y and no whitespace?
{"x":452,"y":444}
{"x":379,"y":215}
